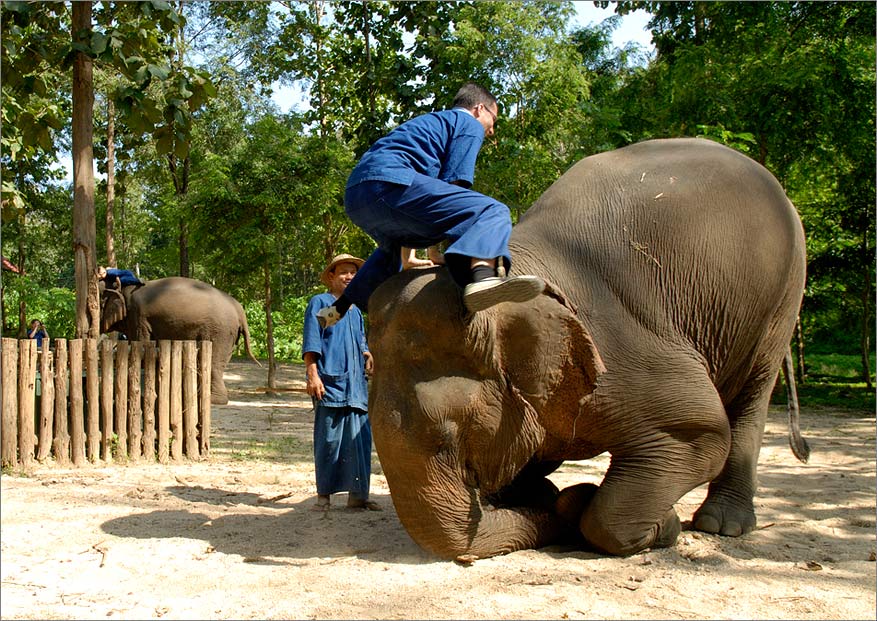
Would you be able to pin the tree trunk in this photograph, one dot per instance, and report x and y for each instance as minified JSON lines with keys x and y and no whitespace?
{"x":87,"y":323}
{"x":867,"y":326}
{"x":180,"y":177}
{"x":184,"y":248}
{"x":22,"y":302}
{"x":269,"y":329}
{"x":111,"y":183}
{"x":322,"y":100}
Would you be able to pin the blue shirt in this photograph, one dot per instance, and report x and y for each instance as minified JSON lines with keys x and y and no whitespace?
{"x":442,"y":145}
{"x":126,"y":277}
{"x":339,"y":349}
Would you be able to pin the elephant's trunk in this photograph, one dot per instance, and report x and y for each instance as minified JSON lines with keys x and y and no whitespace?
{"x":447,"y":516}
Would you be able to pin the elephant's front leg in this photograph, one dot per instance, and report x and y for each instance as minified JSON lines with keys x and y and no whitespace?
{"x":633,"y":507}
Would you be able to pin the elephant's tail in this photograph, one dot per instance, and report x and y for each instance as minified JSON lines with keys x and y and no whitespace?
{"x":244,"y":329}
{"x":799,"y":445}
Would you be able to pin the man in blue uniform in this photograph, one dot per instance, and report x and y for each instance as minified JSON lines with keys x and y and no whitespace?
{"x":412,"y":189}
{"x":116,"y":278}
{"x":336,"y":363}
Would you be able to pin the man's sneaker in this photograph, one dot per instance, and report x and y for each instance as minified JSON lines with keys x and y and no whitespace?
{"x":491,"y":291}
{"x":328,"y":316}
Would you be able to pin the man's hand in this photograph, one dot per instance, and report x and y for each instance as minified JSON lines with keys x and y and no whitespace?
{"x":313,"y":384}
{"x":369,"y":363}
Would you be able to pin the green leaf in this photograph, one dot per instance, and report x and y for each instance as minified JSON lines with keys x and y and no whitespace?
{"x":159,"y":72}
{"x":98,"y":43}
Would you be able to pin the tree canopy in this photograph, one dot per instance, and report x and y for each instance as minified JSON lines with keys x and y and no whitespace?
{"x":791,"y":84}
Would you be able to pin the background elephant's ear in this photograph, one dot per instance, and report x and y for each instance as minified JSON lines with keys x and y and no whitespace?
{"x":546,"y":351}
{"x":114,"y":310}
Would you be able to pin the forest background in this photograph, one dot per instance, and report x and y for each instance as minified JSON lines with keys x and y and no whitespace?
{"x":202,"y":175}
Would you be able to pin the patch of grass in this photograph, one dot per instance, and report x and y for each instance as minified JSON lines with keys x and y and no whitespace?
{"x":283,"y":449}
{"x":833,"y":380}
{"x":836,"y":366}
{"x":10,"y":470}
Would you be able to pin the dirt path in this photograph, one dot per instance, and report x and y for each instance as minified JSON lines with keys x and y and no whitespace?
{"x":234,"y":537}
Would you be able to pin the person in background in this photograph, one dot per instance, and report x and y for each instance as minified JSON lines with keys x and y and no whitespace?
{"x":116,"y":278}
{"x":38,"y":331}
{"x":337,"y":362}
{"x":412,"y":189}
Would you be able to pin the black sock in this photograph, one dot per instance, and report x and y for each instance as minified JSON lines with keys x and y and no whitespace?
{"x":480,"y":272}
{"x":342,"y":304}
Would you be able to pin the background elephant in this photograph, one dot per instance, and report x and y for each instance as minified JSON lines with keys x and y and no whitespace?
{"x":180,"y":309}
{"x":676,"y":270}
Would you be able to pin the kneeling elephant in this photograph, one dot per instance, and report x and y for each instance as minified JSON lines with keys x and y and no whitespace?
{"x":675,"y":272}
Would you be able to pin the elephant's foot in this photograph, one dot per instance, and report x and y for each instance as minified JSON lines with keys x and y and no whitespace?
{"x":216,"y":399}
{"x":722,"y":516}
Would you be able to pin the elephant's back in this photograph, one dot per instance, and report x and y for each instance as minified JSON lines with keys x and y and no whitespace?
{"x":685,"y":238}
{"x":191,"y":305}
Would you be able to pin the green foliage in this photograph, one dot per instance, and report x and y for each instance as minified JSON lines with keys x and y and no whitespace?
{"x":288,"y":328}
{"x":789,"y":83}
{"x":54,"y":306}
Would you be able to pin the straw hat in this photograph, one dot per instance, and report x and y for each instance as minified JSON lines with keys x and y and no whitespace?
{"x":326,"y":276}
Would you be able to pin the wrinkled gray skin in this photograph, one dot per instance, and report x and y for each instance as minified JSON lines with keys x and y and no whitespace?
{"x":676,"y":269}
{"x":180,"y":309}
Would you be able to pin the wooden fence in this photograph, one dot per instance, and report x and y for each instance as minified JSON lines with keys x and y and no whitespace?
{"x":137,"y":401}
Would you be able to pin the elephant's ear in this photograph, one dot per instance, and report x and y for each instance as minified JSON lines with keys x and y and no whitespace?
{"x":114,"y":310}
{"x":547,"y":352}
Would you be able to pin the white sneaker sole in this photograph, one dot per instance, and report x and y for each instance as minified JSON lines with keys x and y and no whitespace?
{"x":479,"y":296}
{"x":327,"y":317}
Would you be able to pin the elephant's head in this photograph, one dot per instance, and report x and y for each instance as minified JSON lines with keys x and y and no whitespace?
{"x":461,"y":403}
{"x":114,"y":310}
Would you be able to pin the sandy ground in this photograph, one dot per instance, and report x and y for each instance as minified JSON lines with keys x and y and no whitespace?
{"x":233,"y":537}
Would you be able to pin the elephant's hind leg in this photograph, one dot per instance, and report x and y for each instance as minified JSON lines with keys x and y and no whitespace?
{"x":728,"y":508}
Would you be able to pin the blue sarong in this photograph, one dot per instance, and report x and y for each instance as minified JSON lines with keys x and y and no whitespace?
{"x":342,"y":450}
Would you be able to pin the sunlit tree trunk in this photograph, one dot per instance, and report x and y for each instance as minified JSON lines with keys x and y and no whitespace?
{"x":269,"y":329}
{"x":111,"y":183}
{"x":87,"y":323}
{"x":22,"y":302}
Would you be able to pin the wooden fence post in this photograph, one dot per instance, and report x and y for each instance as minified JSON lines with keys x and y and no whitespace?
{"x":106,"y":402}
{"x":92,"y":380}
{"x":148,"y":447}
{"x":9,"y":429}
{"x":121,"y":398}
{"x":135,"y":415}
{"x":27,"y":368}
{"x":61,"y":441}
{"x":79,"y":410}
{"x":164,"y":399}
{"x":205,"y":366}
{"x":176,"y":401}
{"x":47,"y":403}
{"x":190,"y":398}
{"x":77,"y":418}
